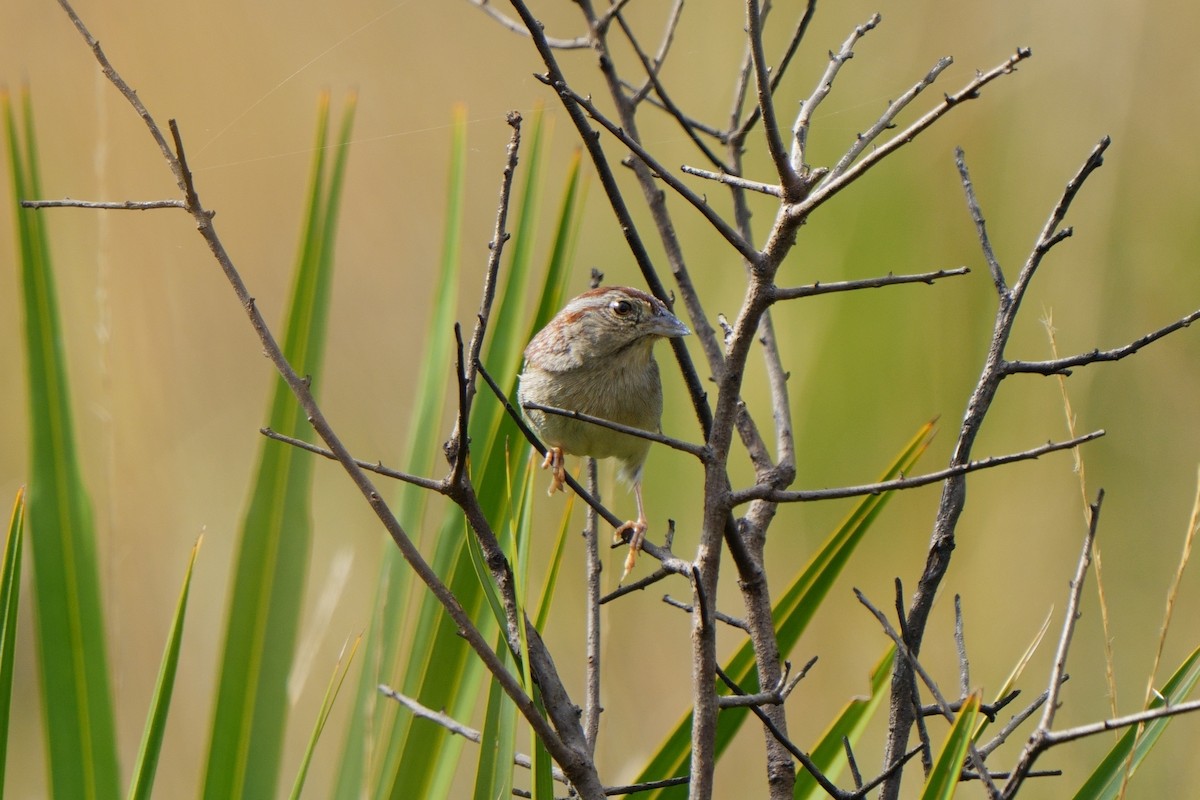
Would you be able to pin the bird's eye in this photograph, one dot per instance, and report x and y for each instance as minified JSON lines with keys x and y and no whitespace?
{"x":622,"y":308}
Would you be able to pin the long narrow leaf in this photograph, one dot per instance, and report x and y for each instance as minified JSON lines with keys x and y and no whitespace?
{"x":340,"y":670}
{"x":160,"y":703}
{"x":371,"y":725}
{"x":251,"y":710}
{"x":830,"y":753}
{"x":423,"y":766}
{"x":943,"y":779}
{"x":793,"y":611}
{"x":10,"y":593}
{"x":494,"y":774}
{"x":73,"y":660}
{"x":1105,"y":782}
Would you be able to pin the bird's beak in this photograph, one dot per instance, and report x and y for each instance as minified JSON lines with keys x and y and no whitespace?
{"x":668,"y":325}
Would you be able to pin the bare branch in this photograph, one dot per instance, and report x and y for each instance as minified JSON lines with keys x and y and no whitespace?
{"x":377,"y":467}
{"x":733,"y":181}
{"x":765,"y":492}
{"x":989,"y":254}
{"x":578,"y":43}
{"x":797,"y":753}
{"x":792,"y":293}
{"x":834,"y":184}
{"x":744,"y":248}
{"x":699,"y":451}
{"x":457,"y":446}
{"x":592,"y":568}
{"x":126,"y":205}
{"x":799,"y":160}
{"x":456,"y":727}
{"x":788,"y":177}
{"x":887,"y":121}
{"x":668,"y":104}
{"x":1038,"y":740}
{"x":720,"y":616}
{"x":1060,"y":366}
{"x":903,"y":650}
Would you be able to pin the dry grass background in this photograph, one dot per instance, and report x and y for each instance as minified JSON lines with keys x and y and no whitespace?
{"x":170,"y":387}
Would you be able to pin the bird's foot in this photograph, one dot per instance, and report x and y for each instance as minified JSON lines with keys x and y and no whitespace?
{"x":633,"y":532}
{"x":556,"y":462}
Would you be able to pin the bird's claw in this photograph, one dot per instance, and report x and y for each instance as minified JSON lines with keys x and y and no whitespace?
{"x":633,"y":532}
{"x":556,"y":462}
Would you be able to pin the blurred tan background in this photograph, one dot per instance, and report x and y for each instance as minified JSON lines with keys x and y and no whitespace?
{"x":170,"y":386}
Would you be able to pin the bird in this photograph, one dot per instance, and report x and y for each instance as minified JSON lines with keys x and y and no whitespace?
{"x":596,"y":356}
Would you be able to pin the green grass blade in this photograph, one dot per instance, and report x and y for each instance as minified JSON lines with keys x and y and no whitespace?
{"x":552,"y":569}
{"x":272,"y":562}
{"x":156,"y":724}
{"x":830,"y":753}
{"x":10,"y":593}
{"x":1105,"y":782}
{"x":494,"y":774}
{"x":543,"y":764}
{"x":73,"y":662}
{"x":442,"y":672}
{"x":340,"y":670}
{"x":943,"y":779}
{"x":362,"y":752}
{"x":793,"y":611}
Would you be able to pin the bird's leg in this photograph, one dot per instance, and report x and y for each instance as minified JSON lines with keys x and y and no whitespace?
{"x":635,"y":531}
{"x":556,"y":462}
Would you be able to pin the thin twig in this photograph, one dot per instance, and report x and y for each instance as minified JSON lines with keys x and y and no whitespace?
{"x":592,"y":568}
{"x":458,"y":444}
{"x":456,"y":727}
{"x":887,"y":121}
{"x":960,"y":643}
{"x":578,"y":43}
{"x":759,"y":491}
{"x":641,"y":583}
{"x":820,"y":777}
{"x":831,"y":185}
{"x":800,"y":128}
{"x":989,"y":254}
{"x":1002,"y":736}
{"x":903,"y":650}
{"x":740,"y":131}
{"x":699,"y":451}
{"x":1040,"y":739}
{"x":126,"y":205}
{"x":720,"y":616}
{"x":789,"y":180}
{"x":1062,"y":366}
{"x":733,"y":181}
{"x":811,"y":290}
{"x":377,"y":467}
{"x":744,"y":248}
{"x":668,"y":104}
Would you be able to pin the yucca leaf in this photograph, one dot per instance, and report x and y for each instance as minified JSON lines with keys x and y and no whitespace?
{"x":494,"y":773}
{"x":72,"y":656}
{"x":10,"y":593}
{"x":423,"y":766}
{"x":830,"y":753}
{"x":1133,"y":746}
{"x":340,"y":670}
{"x":371,"y":722}
{"x":160,"y":703}
{"x":250,"y":718}
{"x":943,"y":779}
